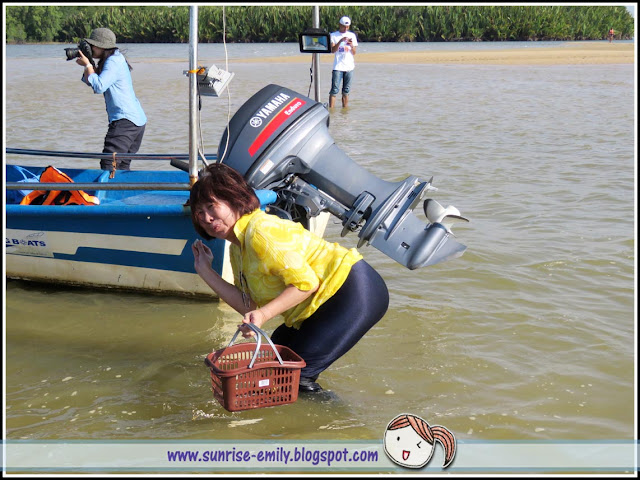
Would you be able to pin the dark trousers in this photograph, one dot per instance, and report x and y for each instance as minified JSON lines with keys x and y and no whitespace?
{"x":123,"y":136}
{"x":339,"y":323}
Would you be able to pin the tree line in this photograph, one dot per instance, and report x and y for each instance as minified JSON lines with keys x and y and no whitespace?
{"x":264,"y":24}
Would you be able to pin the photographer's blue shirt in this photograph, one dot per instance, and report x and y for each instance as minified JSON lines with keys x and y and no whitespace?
{"x":115,"y":83}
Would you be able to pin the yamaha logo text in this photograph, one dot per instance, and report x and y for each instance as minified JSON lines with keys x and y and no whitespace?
{"x":268,"y":109}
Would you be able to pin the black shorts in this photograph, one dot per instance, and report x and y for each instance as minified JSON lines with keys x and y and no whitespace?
{"x":123,"y":136}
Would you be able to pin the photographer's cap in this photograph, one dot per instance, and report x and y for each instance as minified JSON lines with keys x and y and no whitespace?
{"x":102,"y":38}
{"x":345,"y":21}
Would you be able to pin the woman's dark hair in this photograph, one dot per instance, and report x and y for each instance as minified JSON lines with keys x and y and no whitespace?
{"x":106,"y":54}
{"x":223,"y":183}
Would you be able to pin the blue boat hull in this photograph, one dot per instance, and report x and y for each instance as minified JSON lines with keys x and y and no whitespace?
{"x":135,"y":239}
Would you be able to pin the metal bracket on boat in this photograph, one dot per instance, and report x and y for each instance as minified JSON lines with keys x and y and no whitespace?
{"x":313,"y":200}
{"x":356,"y":215}
{"x":211,"y":81}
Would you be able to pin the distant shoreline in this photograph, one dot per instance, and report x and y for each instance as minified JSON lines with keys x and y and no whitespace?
{"x":578,"y":54}
{"x":565,"y":53}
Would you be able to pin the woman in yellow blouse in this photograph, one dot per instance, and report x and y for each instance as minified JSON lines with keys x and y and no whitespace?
{"x":328,"y":295}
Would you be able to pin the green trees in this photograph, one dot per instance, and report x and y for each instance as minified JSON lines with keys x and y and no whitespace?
{"x":33,"y":23}
{"x":271,"y":23}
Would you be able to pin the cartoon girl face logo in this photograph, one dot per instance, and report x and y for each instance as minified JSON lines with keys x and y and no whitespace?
{"x":409,"y":441}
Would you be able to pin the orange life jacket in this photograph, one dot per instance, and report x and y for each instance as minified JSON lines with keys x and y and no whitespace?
{"x":58,"y":197}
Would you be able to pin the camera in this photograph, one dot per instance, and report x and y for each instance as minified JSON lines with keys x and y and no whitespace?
{"x":83,"y":47}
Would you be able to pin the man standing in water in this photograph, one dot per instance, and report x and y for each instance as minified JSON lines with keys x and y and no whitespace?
{"x":343,"y":44}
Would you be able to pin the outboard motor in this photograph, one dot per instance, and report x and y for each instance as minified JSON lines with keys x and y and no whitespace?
{"x":279,"y":140}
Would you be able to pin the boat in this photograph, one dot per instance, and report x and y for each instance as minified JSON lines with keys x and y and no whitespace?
{"x":138,"y":238}
{"x":137,"y":235}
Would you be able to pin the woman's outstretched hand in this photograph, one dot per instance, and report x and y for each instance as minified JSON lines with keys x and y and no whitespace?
{"x":202,"y":256}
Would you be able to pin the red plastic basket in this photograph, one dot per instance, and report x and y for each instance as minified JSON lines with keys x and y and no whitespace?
{"x":248,"y":375}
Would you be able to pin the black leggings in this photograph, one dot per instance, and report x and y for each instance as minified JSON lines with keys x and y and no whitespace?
{"x":339,"y":323}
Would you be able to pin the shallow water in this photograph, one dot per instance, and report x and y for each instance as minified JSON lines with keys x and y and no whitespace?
{"x":528,"y":336}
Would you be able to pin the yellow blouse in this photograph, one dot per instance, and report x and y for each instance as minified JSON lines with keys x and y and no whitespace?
{"x":274,"y":253}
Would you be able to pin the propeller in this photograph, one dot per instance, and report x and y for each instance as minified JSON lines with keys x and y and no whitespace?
{"x":436,"y":213}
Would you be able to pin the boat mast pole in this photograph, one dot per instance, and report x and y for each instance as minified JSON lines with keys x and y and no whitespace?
{"x":316,"y":56}
{"x":193,"y":92}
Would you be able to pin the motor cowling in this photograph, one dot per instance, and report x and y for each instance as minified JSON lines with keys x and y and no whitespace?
{"x":279,"y":140}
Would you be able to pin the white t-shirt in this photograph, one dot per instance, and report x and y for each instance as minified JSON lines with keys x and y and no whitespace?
{"x":344,"y":60}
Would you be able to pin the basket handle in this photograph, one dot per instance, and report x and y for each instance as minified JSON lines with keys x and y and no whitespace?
{"x":259,"y":333}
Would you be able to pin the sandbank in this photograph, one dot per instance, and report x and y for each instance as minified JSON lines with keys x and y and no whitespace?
{"x":564,"y":54}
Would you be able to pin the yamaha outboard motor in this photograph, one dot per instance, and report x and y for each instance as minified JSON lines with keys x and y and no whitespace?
{"x":279,"y":140}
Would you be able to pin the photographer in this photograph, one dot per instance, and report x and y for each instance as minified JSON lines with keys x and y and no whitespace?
{"x":344,"y":44}
{"x":112,"y":78}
